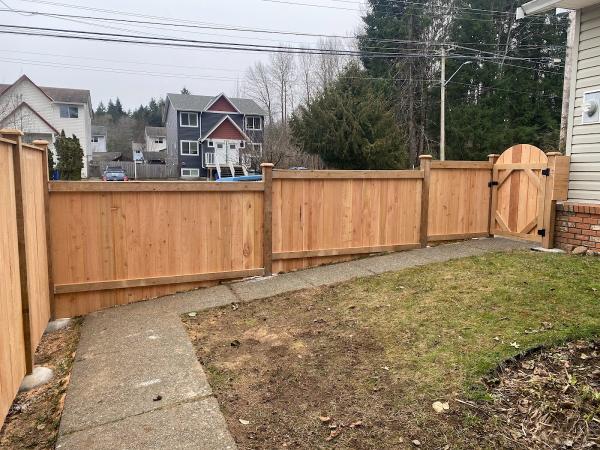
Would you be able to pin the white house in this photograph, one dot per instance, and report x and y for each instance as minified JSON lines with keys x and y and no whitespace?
{"x":156,"y":139}
{"x":98,"y":142}
{"x":43,"y":112}
{"x":578,"y":219}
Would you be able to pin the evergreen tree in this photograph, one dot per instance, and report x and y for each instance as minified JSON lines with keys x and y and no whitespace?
{"x":50,"y":163}
{"x":100,"y":110}
{"x":351,"y":126}
{"x":70,"y":157}
{"x":115,"y":110}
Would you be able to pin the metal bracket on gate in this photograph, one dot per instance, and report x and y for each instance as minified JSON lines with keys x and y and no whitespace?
{"x":546,"y":172}
{"x":492,"y":183}
{"x":542,"y":232}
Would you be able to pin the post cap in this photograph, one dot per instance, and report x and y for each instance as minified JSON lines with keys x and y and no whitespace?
{"x":554,"y":154}
{"x":493,"y":155}
{"x":267,"y":165}
{"x":11,"y":131}
{"x":425,"y":157}
{"x":41,"y":142}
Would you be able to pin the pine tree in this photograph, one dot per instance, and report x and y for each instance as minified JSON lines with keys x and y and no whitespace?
{"x":101,"y":109}
{"x":350,"y":126}
{"x":70,"y":157}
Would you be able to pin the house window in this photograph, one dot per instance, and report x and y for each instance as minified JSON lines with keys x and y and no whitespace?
{"x":69,"y":112}
{"x":190,"y":172}
{"x":253,"y":123}
{"x":211,"y":144}
{"x":257,"y":149}
{"x":159,"y":140}
{"x":95,"y":138}
{"x":188,"y":119}
{"x":189,"y":148}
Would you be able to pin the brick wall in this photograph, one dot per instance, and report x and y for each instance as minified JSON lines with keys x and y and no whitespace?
{"x":578,"y":228}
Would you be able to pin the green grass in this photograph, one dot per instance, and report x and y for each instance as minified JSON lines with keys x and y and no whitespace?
{"x":453,"y":322}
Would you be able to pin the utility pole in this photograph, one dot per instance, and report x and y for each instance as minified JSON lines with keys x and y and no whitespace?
{"x":443,"y":108}
{"x":564,"y":115}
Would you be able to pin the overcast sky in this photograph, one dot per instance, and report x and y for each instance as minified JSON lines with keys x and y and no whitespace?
{"x":78,"y":64}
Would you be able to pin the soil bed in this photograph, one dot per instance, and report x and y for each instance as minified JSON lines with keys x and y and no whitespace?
{"x":34,"y":417}
{"x":360,"y":365}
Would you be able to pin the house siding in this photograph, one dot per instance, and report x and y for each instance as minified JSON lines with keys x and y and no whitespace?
{"x":583,"y":141}
{"x":189,"y":134}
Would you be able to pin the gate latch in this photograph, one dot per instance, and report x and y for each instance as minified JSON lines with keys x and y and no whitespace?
{"x":542,"y":232}
{"x":492,"y":183}
{"x":546,"y":172}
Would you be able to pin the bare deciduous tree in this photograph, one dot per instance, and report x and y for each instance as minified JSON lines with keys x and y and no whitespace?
{"x":260,"y":87}
{"x":283,"y":73}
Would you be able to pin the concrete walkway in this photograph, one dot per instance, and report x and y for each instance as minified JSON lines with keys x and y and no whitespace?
{"x":136,"y":382}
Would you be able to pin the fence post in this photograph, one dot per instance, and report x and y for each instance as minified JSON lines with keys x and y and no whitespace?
{"x":17,"y":154}
{"x":492,"y":158}
{"x":44,"y":144}
{"x":425,"y":164}
{"x":267,"y":175}
{"x":549,"y":203}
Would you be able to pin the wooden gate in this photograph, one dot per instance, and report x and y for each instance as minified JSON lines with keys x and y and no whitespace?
{"x":519,"y":183}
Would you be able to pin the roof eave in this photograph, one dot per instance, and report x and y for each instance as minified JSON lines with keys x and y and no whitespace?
{"x":542,"y":6}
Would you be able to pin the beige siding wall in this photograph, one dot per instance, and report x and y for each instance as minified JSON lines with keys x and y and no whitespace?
{"x":584,"y":140}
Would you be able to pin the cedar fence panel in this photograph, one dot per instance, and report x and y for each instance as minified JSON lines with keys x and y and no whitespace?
{"x":118,"y":243}
{"x":12,"y":343}
{"x":326,"y":216}
{"x":459,"y":200}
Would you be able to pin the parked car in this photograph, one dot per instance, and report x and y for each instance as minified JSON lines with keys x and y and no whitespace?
{"x":243,"y":178}
{"x":114,"y":174}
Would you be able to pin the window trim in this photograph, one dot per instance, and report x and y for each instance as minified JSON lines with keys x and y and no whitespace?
{"x":197,"y":153}
{"x":253,"y":119}
{"x":97,"y":139}
{"x":195,"y":169}
{"x":259,"y":145}
{"x":210,"y":143}
{"x":159,"y":140}
{"x":69,"y":109}
{"x":181,"y":113}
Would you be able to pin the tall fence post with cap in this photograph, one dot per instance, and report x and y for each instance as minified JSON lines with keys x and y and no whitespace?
{"x":17,"y":155}
{"x":267,"y":175}
{"x":425,"y":164}
{"x":44,"y":145}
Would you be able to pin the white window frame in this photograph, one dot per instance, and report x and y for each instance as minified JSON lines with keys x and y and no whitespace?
{"x":190,"y":171}
{"x":190,"y":114}
{"x":159,"y":140}
{"x":260,"y":147}
{"x":253,"y":119}
{"x":69,"y":109}
{"x":197,"y":153}
{"x":96,"y":139}
{"x":210,"y":144}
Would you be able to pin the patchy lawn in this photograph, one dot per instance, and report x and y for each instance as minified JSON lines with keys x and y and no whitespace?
{"x":359,"y":365}
{"x":34,"y":417}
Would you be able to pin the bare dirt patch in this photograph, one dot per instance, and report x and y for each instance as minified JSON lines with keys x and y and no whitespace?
{"x":34,"y":417}
{"x":361,"y":365}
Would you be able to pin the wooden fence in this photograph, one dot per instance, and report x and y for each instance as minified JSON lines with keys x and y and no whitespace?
{"x":70,"y":248}
{"x":144,"y":171}
{"x":26,"y":294}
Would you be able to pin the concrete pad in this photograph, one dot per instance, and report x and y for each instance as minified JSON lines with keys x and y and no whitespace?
{"x":112,"y":386}
{"x":268,"y":287}
{"x":391,"y":262}
{"x":500,"y":244}
{"x":39,"y":376}
{"x":197,"y":300}
{"x":196,"y":425}
{"x":335,"y":273}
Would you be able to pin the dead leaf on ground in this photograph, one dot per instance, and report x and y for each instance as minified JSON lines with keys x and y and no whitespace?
{"x":244,"y":422}
{"x":440,"y":407}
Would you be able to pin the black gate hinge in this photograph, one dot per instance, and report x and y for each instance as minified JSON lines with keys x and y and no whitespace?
{"x":492,"y":183}
{"x":542,"y":232}
{"x":546,"y":172}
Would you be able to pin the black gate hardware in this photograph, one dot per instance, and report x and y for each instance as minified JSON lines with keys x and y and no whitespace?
{"x":546,"y":172}
{"x":492,"y":183}
{"x":542,"y":232}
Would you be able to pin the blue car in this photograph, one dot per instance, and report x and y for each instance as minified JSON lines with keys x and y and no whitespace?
{"x":244,"y":178}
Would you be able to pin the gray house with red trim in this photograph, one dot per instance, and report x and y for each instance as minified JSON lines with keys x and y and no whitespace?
{"x":213,"y":137}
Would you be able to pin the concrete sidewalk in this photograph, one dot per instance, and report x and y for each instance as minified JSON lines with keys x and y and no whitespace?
{"x":136,"y":382}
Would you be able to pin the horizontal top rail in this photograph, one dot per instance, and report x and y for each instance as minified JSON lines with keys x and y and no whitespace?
{"x":33,"y":147}
{"x":461,"y":165}
{"x":347,"y":174}
{"x":8,"y":141}
{"x":152,"y":186}
{"x":521,"y":166}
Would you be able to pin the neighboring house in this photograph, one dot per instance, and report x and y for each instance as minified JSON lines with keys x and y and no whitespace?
{"x":213,"y":136}
{"x":578,"y":220}
{"x":156,"y":139}
{"x":98,"y":141}
{"x":43,"y":112}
